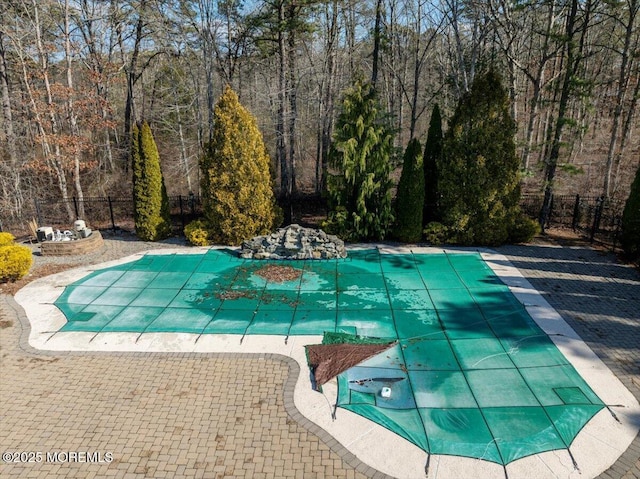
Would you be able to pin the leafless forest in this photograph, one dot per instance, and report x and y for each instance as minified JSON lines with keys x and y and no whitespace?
{"x":76,"y":74}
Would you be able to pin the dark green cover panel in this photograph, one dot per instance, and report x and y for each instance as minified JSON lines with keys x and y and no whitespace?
{"x":459,"y":432}
{"x":406,"y":423}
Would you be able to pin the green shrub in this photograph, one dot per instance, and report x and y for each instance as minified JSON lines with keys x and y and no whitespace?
{"x":436,"y":233}
{"x":15,"y":261}
{"x":237,"y":195}
{"x":197,"y":233}
{"x":478,"y":175}
{"x":151,"y":205}
{"x":432,"y":156}
{"x":338,"y":222}
{"x":631,"y":221}
{"x":6,"y":239}
{"x":410,"y":196}
{"x":360,"y":158}
{"x":523,"y":229}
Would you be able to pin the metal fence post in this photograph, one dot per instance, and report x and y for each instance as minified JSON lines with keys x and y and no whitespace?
{"x":181,"y":211}
{"x":192,"y":202}
{"x":616,"y":232}
{"x":576,"y":214}
{"x":551,"y":204}
{"x":113,"y":223}
{"x":38,"y":212}
{"x":596,"y":217}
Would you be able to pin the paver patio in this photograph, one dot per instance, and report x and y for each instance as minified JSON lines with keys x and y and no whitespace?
{"x":197,"y":415}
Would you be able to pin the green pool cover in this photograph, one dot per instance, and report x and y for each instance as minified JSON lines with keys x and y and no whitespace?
{"x":471,"y":374}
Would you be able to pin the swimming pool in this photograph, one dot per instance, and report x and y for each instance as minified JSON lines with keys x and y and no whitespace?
{"x":471,"y":373}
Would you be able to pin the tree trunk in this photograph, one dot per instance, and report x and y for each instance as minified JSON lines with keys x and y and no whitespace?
{"x":55,"y":160}
{"x":183,"y":150}
{"x":626,"y":132}
{"x":292,"y":86}
{"x":73,"y":117}
{"x":101,"y":86}
{"x":6,"y":107}
{"x":326,"y":95}
{"x":623,"y":81}
{"x":12,"y":171}
{"x":282,"y":150}
{"x":132,"y":78}
{"x":462,"y":70}
{"x":376,"y":43}
{"x":571,"y":65}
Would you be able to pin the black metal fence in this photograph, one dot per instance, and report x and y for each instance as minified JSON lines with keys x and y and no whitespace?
{"x":596,"y":217}
{"x":117,"y":212}
{"x":109,"y":212}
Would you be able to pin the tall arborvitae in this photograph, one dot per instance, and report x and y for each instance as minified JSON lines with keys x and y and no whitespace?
{"x":410,"y":196}
{"x":150,"y":202}
{"x":432,"y":156}
{"x":631,"y":221}
{"x":360,"y":158}
{"x":238,"y":199}
{"x":478,"y":177}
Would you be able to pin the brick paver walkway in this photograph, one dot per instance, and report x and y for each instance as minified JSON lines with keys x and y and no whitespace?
{"x":160,"y":415}
{"x":215,"y":416}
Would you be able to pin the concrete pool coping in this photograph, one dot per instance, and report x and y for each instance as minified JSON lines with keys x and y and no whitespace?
{"x":596,"y":447}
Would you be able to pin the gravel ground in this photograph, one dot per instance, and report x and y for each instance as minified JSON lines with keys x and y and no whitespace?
{"x":116,"y":245}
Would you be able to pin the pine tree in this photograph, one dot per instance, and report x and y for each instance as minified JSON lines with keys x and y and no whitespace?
{"x":432,"y":156}
{"x":359,"y":190}
{"x":238,"y":199}
{"x":631,"y":220}
{"x":478,"y":177}
{"x":410,"y":196}
{"x":151,"y":204}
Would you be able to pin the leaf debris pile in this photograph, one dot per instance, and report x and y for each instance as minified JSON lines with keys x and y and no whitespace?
{"x":278,"y":273}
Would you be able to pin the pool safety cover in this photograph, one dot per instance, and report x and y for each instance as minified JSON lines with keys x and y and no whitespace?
{"x":471,"y":374}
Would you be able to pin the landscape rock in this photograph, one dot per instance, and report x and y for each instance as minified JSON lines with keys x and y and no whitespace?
{"x":294,"y":242}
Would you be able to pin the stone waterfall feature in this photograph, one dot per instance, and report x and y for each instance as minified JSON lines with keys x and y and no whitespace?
{"x":294,"y":242}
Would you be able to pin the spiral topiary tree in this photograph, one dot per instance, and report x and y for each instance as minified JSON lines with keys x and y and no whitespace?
{"x":360,"y":157}
{"x":410,"y":196}
{"x":238,"y":200}
{"x":150,"y":202}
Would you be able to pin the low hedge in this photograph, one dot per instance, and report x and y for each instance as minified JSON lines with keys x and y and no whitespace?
{"x":15,"y":262}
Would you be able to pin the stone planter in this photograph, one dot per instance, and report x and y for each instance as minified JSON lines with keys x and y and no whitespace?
{"x":74,"y":247}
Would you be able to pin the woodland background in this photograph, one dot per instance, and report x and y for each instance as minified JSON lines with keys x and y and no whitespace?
{"x":75,"y":76}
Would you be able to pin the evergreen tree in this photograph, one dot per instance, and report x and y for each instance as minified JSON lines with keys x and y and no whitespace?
{"x":410,"y":196}
{"x":359,"y":190}
{"x":238,"y":199}
{"x":631,"y":220}
{"x":151,"y":204}
{"x":432,"y":156}
{"x":478,"y":177}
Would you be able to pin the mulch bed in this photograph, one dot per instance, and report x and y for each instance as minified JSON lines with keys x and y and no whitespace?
{"x":12,"y":288}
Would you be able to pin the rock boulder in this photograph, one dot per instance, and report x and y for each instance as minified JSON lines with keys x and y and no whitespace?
{"x":294,"y":242}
